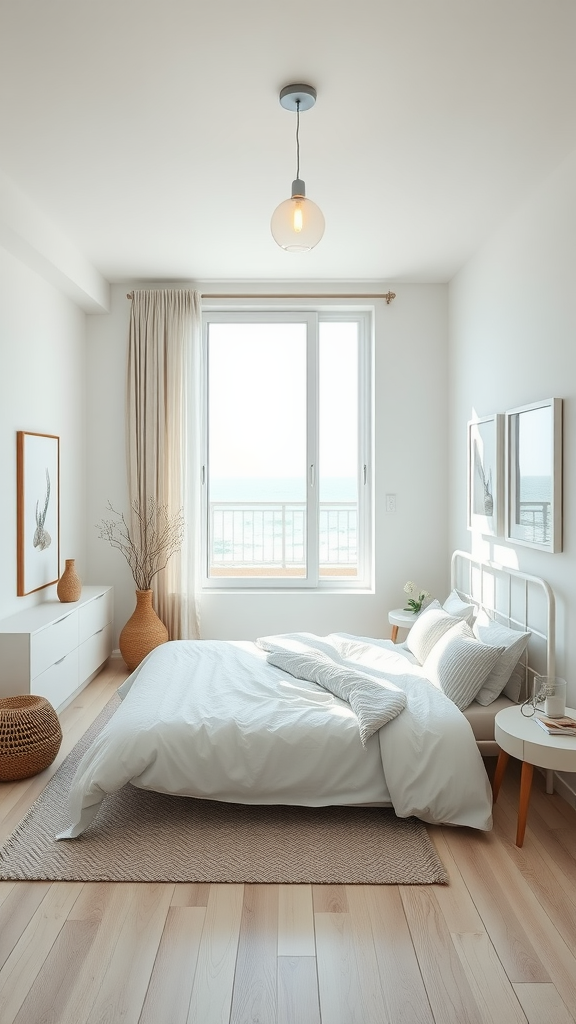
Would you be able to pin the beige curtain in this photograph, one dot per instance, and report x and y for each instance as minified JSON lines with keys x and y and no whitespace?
{"x":163,"y":431}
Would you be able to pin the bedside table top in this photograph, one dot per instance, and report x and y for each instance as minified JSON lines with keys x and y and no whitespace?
{"x":520,"y":736}
{"x":399,"y":617}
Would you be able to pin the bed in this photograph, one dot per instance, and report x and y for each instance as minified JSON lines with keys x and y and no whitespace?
{"x":302,"y":719}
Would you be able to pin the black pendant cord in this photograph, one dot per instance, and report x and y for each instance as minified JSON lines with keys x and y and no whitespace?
{"x":297,"y":139}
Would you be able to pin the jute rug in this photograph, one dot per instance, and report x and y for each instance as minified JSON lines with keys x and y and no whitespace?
{"x":141,"y":836}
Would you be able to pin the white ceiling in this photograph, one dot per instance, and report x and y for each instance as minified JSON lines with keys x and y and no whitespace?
{"x":150,"y":131}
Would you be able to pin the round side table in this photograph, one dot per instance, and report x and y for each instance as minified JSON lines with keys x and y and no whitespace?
{"x":519,"y":736}
{"x":400,"y":618}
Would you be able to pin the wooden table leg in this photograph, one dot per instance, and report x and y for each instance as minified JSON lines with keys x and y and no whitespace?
{"x":501,"y":766}
{"x":525,"y":787}
{"x":394,"y":633}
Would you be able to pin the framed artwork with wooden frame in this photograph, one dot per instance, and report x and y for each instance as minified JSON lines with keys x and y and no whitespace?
{"x":534,"y":475}
{"x":38,"y":511}
{"x":486,"y":475}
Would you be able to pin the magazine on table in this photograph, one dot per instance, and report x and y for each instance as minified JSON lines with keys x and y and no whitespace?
{"x":564,"y":726}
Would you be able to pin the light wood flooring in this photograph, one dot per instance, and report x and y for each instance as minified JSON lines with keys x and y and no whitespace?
{"x":496,"y":946}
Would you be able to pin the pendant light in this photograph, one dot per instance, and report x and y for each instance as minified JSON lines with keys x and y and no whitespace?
{"x":297,"y":225}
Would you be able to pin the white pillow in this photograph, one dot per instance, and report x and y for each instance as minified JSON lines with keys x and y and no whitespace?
{"x":514,"y":644}
{"x":454,"y":605}
{"x":430,"y":625}
{"x":459,"y":664}
{"x":513,"y":687}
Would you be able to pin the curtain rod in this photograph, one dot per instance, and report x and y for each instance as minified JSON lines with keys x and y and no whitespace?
{"x":386,"y":295}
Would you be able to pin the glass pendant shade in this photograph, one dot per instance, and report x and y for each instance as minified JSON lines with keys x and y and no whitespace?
{"x":297,"y":225}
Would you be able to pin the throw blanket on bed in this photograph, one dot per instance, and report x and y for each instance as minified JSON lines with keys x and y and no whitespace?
{"x":213,"y":719}
{"x":374,"y":703}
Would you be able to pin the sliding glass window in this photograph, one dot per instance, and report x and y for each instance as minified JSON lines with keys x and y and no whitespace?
{"x":287,"y":455}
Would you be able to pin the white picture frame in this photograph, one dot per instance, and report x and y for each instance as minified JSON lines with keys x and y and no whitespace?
{"x":486,"y":475}
{"x":534,"y":475}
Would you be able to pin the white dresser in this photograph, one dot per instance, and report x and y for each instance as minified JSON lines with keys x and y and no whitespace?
{"x":55,"y":649}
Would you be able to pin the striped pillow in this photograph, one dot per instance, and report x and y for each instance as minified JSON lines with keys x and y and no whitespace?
{"x":430,"y":625}
{"x":459,"y":664}
{"x":514,"y":643}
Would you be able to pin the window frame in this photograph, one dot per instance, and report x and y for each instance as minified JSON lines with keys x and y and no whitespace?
{"x":312,"y":315}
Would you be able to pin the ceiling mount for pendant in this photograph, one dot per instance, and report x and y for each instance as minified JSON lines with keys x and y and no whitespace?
{"x":298,"y":97}
{"x":297,"y":225}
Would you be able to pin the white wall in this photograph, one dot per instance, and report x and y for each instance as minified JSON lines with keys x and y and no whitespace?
{"x":411,"y":461}
{"x":42,"y":389}
{"x":107,"y":339}
{"x":512,"y":342}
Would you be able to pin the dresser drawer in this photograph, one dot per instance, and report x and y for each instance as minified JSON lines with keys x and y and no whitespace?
{"x":41,"y":646}
{"x":59,"y":681}
{"x":94,"y":651}
{"x":94,"y":615}
{"x":50,"y":645}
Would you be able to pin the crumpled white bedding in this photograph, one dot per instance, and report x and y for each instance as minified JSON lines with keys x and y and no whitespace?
{"x":374,"y":701}
{"x":212,"y":719}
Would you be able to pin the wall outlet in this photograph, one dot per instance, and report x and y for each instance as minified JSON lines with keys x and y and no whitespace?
{"x":390,"y":502}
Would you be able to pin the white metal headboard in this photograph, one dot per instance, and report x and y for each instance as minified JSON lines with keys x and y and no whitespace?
{"x":516,"y":599}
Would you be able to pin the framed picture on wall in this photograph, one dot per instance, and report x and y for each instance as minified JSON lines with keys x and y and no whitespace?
{"x":486,"y":475}
{"x":534,"y":475}
{"x":38,"y":511}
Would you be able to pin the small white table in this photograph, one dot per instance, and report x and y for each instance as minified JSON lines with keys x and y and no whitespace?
{"x":519,"y":736}
{"x":398,"y":617}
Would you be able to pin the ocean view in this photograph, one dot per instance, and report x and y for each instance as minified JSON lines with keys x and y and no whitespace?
{"x":535,"y":488}
{"x":257,"y":535}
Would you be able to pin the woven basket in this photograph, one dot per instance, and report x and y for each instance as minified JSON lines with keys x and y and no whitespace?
{"x":30,"y":736}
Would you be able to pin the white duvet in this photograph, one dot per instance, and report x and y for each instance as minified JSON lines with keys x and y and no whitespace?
{"x":212,"y":719}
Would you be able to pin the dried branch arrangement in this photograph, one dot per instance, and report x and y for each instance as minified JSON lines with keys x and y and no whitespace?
{"x":156,"y":535}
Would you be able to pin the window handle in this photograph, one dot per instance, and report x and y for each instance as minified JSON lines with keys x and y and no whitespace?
{"x":364,"y":474}
{"x":203,"y":475}
{"x":312,"y":476}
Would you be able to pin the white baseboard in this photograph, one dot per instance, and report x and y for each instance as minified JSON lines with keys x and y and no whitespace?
{"x":564,"y":790}
{"x":562,"y":787}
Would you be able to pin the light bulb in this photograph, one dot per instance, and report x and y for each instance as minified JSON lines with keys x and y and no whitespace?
{"x":297,"y":219}
{"x":297,"y":225}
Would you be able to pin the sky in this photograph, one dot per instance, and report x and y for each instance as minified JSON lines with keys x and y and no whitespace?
{"x":257,"y":400}
{"x":535,"y":442}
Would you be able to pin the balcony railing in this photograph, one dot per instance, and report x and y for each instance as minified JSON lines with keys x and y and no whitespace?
{"x":534,"y":516}
{"x":272,"y":536}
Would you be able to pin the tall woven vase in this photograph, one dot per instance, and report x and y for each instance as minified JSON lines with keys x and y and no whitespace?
{"x":143,"y":632}
{"x":69,"y":586}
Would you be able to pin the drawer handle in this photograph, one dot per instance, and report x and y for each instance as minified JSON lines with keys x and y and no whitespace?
{"x":98,"y":631}
{"x":61,"y":619}
{"x":61,"y":660}
{"x":99,"y":598}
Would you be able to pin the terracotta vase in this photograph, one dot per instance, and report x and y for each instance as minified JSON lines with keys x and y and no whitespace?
{"x":69,"y":587}
{"x":143,"y":632}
